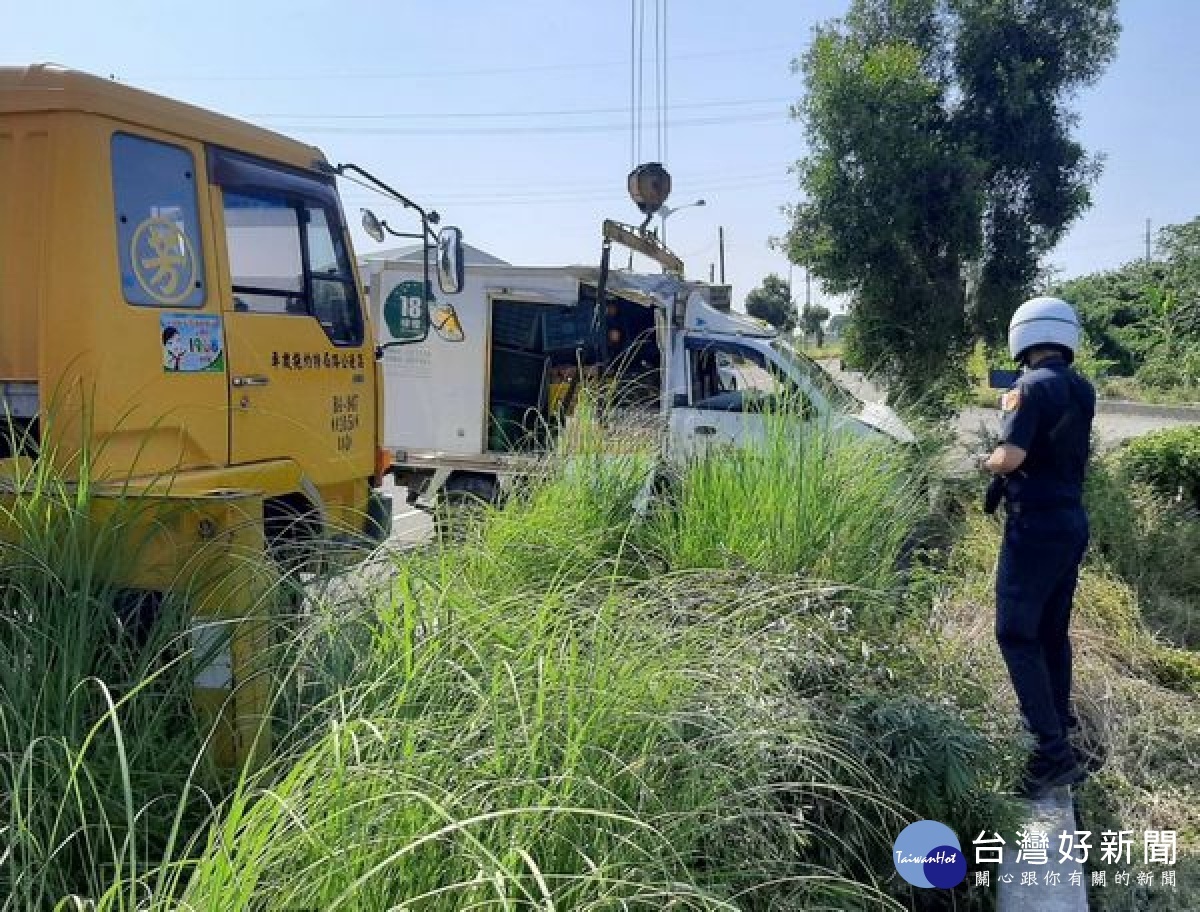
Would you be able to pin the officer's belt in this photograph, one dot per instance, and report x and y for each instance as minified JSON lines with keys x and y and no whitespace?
{"x":1055,"y":503}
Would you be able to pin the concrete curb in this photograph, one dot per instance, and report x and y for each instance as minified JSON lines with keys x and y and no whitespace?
{"x":1184,"y":413}
{"x":1171,"y":412}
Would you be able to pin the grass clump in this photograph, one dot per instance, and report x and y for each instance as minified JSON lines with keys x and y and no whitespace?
{"x":863,"y":658}
{"x":1168,"y":461}
{"x":99,"y":751}
{"x":570,"y":737}
{"x":823,"y":504}
{"x":1151,"y":543}
{"x":491,"y":751}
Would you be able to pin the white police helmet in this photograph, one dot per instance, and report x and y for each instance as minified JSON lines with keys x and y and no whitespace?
{"x":1043,"y":321}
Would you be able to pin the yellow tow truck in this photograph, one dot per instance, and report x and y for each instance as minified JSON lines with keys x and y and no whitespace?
{"x":181,"y":318}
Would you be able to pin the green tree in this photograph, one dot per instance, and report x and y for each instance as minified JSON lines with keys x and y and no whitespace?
{"x":812,"y":319}
{"x":1179,"y":249}
{"x":1145,"y":312}
{"x":942,"y":167}
{"x":772,"y":301}
{"x":1115,"y":307}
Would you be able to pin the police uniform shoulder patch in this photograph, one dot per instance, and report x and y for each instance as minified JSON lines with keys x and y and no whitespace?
{"x":1011,"y":401}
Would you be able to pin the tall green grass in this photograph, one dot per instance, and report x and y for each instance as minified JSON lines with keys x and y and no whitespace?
{"x":563,"y":710}
{"x":823,"y":503}
{"x":1152,"y":543}
{"x":519,"y":722}
{"x":97,"y":745}
{"x":549,"y":750}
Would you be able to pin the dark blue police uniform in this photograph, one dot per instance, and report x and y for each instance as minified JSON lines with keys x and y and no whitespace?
{"x":1049,"y":415}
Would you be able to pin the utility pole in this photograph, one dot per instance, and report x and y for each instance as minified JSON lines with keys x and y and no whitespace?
{"x":721,"y":247}
{"x":1147,"y":242}
{"x":712,"y":273}
{"x":807,"y":287}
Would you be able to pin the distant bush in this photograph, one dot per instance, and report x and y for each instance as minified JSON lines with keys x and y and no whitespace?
{"x":1168,"y":461}
{"x":1168,"y":368}
{"x":1149,"y":542}
{"x":1131,"y":390}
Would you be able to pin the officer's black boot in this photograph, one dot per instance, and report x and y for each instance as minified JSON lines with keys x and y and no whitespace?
{"x":1043,"y":773}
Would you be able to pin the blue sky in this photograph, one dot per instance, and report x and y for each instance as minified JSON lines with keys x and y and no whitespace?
{"x":513,"y":119}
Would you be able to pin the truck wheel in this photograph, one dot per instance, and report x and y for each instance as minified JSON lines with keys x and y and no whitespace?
{"x":462,"y":502}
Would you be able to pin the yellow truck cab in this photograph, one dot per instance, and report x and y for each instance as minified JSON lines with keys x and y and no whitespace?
{"x":179,"y":300}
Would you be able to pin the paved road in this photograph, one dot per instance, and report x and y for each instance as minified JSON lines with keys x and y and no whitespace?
{"x":409,"y":526}
{"x":364,"y":581}
{"x":1112,"y":427}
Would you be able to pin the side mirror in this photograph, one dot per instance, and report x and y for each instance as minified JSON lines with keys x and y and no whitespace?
{"x":372,"y":226}
{"x":450,"y":263}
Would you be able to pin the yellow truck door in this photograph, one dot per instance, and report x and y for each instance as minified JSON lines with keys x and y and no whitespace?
{"x":301,"y":362}
{"x":145,"y":355}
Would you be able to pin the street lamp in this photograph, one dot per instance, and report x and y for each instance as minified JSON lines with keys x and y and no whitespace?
{"x":667,"y":211}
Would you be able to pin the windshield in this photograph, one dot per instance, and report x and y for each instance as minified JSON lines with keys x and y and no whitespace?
{"x":839,"y":397}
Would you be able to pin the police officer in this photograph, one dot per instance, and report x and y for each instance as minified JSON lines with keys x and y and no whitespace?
{"x":1042,"y":457}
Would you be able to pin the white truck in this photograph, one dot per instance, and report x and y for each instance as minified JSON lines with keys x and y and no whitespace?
{"x":471,"y":408}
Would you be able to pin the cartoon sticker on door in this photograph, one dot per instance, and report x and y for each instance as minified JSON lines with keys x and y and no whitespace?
{"x":191,"y":343}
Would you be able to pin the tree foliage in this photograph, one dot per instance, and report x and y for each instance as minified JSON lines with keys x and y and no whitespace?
{"x":942,"y":166}
{"x":1145,"y":317}
{"x":772,"y":301}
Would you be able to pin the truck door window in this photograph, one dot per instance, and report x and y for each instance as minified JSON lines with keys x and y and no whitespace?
{"x":705,"y":379}
{"x":265,"y":264}
{"x":733,"y":379}
{"x":159,"y":246}
{"x":285,"y":258}
{"x":334,"y":299}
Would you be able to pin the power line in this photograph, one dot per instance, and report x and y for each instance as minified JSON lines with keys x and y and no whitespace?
{"x":448,"y":74}
{"x":700,"y":179}
{"x":632,"y":89}
{"x":658,"y":79}
{"x":637,"y":71}
{"x":641,"y":10}
{"x":666,"y":101}
{"x":518,"y":197}
{"x":561,"y":112}
{"x":761,"y":118}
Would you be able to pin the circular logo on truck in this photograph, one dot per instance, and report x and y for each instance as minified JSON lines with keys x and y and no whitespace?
{"x":407,"y":315}
{"x":927,"y":854}
{"x":163,"y":260}
{"x":404,"y":311}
